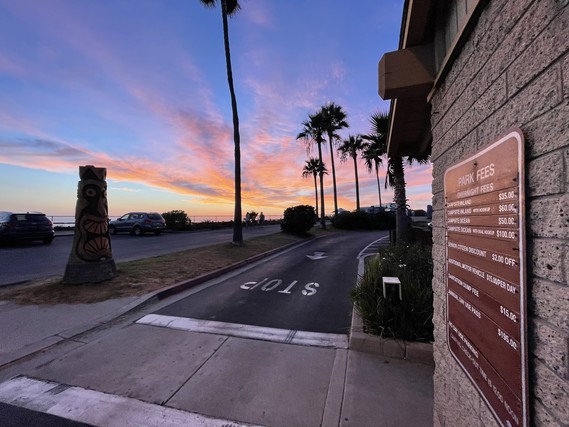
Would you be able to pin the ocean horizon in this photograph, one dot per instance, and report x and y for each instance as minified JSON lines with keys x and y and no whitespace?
{"x":69,"y":220}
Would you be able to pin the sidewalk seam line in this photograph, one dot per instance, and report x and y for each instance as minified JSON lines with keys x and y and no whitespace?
{"x":165,"y":402}
{"x":344,"y":388}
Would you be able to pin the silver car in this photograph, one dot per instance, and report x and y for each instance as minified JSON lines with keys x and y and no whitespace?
{"x":138,"y":223}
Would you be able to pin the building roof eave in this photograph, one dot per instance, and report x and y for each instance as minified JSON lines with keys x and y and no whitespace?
{"x":410,"y":130}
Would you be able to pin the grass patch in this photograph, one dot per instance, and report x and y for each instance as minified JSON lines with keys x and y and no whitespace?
{"x":143,"y":276}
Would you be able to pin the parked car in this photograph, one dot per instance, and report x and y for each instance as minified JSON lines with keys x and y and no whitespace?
{"x":25,"y":226}
{"x":138,"y":223}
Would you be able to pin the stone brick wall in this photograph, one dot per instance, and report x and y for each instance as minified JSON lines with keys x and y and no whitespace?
{"x":513,"y":71}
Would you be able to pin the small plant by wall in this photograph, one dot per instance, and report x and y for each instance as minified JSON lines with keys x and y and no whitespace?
{"x":411,"y":318}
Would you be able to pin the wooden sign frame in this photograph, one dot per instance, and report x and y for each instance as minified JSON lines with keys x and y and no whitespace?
{"x":485,"y":275}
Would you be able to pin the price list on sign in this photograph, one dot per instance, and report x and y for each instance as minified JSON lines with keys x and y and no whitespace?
{"x":485,"y":275}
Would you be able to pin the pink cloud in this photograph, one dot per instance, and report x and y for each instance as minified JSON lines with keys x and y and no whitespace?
{"x":195,"y":148}
{"x":259,"y":15}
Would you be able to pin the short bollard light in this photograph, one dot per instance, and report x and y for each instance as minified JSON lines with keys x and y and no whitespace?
{"x":389,"y":285}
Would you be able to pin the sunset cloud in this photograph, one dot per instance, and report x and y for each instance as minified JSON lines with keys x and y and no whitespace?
{"x":143,"y":92}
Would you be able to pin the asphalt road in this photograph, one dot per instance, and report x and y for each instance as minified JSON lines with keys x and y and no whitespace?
{"x":23,"y":262}
{"x":305,"y":289}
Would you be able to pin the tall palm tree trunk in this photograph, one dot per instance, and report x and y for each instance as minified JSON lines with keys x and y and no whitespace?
{"x":357,"y":184}
{"x":400,"y":198}
{"x":316,"y":193}
{"x":378,"y":184}
{"x":237,"y":222}
{"x":333,"y":174}
{"x":322,"y":210}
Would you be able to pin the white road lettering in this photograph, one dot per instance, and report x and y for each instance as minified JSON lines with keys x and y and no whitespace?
{"x":244,"y":285}
{"x":309,"y":289}
{"x":270,"y":285}
{"x":288,"y":288}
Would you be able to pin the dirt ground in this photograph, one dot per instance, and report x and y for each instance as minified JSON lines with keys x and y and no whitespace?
{"x":144,"y":276}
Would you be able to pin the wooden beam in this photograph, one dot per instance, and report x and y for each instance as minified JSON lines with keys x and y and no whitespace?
{"x":407,"y":72}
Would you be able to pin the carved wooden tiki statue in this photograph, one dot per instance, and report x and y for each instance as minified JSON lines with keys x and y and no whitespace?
{"x":91,"y":260}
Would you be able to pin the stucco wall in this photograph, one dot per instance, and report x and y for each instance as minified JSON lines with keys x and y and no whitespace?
{"x":513,"y":71}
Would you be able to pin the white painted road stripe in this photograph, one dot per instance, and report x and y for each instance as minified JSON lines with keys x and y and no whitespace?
{"x":100,"y":409}
{"x":247,"y":331}
{"x":371,"y":244}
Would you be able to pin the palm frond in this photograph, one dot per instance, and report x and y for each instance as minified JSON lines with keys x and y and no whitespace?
{"x":351,"y":146}
{"x":312,"y":132}
{"x":208,"y":3}
{"x":334,"y":119}
{"x":232,"y":6}
{"x":312,"y":167}
{"x":423,"y":160}
{"x":372,"y":156}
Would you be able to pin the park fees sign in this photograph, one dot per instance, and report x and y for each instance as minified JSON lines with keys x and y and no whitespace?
{"x":485,"y":275}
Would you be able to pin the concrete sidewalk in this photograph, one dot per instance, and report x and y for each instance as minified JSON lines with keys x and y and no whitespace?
{"x":26,"y":329}
{"x":108,"y":370}
{"x":143,"y":375}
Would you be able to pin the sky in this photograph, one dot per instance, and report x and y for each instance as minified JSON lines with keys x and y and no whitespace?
{"x":140,"y":88}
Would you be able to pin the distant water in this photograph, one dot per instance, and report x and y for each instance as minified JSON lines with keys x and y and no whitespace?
{"x":63,"y":220}
{"x":69,"y":220}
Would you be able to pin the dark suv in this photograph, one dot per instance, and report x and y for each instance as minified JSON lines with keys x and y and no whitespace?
{"x":26,"y":226}
{"x":138,"y":223}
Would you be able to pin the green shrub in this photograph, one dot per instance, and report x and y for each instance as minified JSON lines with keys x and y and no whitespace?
{"x":298,"y":219}
{"x":252,"y":217}
{"x":364,"y":221}
{"x":177,"y":220}
{"x":411,"y":318}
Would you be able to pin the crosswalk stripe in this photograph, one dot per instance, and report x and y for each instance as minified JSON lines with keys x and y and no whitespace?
{"x":288,"y":336}
{"x":100,"y":409}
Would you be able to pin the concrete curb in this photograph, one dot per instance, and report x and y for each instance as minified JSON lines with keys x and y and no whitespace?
{"x":388,"y":347}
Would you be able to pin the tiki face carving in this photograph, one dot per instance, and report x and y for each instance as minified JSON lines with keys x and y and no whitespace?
{"x":91,"y":215}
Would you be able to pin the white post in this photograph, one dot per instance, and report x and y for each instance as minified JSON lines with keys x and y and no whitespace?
{"x":392,"y":281}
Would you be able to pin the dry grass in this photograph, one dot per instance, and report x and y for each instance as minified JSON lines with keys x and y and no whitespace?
{"x":143,"y":276}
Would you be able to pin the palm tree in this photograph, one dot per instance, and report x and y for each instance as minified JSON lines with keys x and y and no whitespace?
{"x":396,"y":173}
{"x":313,"y":167}
{"x":350,"y":147}
{"x":372,"y":156}
{"x":377,"y":146}
{"x":395,"y":176}
{"x":229,"y":8}
{"x":396,"y":168}
{"x":334,"y":120}
{"x":312,"y":133}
